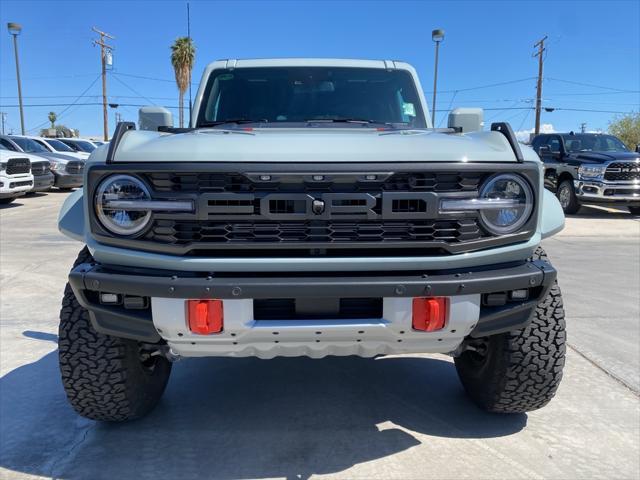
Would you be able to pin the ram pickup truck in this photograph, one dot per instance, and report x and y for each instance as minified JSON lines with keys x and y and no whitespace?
{"x":310,"y":209}
{"x":590,"y":168}
{"x":15,"y":175}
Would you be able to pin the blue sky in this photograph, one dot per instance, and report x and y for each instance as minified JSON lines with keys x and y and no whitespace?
{"x":595,"y":43}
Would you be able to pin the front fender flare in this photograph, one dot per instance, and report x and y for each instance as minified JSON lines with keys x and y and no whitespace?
{"x":71,"y":216}
{"x":552,"y":218}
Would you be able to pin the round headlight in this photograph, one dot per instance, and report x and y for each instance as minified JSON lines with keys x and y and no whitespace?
{"x":517,"y":193}
{"x":114,"y":218}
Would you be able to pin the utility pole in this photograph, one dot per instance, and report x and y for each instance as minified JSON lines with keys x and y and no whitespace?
{"x":104,"y":49}
{"x":583,"y":127}
{"x":189,"y":36}
{"x":3,"y":115}
{"x":539,"y":54}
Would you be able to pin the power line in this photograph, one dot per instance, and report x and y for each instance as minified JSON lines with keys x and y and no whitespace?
{"x":590,"y":85}
{"x":485,"y":86}
{"x":87,"y":104}
{"x":68,"y":106}
{"x":145,"y":77}
{"x":133,"y":90}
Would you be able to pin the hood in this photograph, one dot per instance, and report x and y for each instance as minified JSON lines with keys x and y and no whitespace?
{"x":9,"y":154}
{"x":601,"y":157}
{"x":313,"y":145}
{"x":56,"y":157}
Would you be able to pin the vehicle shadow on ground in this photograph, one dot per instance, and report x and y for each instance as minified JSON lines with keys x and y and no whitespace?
{"x":244,"y":418}
{"x":596,"y":212}
{"x":7,"y":206}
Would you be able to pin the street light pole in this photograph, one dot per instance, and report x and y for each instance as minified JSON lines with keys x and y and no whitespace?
{"x":437,"y":36}
{"x":15,"y":29}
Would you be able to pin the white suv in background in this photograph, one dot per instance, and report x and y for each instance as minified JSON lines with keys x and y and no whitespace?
{"x":56,"y":146}
{"x":79,"y":145}
{"x":15,"y":175}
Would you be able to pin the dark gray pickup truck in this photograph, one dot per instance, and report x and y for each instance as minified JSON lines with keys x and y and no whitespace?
{"x":589,"y":168}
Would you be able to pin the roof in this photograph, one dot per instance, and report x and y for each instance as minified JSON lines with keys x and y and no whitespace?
{"x":307,"y":62}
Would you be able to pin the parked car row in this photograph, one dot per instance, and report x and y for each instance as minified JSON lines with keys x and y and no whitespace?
{"x":35,"y":164}
{"x":590,"y":168}
{"x":55,"y":162}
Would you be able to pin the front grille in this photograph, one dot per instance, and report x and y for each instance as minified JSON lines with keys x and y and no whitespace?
{"x":239,"y":183}
{"x":183,"y":232}
{"x":40,"y":168}
{"x":328,"y":210}
{"x":75,"y":168}
{"x":623,"y":171}
{"x":18,"y":165}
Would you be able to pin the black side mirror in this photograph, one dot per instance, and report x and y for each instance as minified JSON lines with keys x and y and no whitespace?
{"x":638,"y":148}
{"x":544,"y":151}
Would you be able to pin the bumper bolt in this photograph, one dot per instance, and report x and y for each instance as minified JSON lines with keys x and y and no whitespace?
{"x":400,"y":289}
{"x":236,"y":291}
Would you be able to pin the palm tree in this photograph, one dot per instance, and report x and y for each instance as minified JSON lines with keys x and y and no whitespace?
{"x":183,"y":53}
{"x":52,"y":118}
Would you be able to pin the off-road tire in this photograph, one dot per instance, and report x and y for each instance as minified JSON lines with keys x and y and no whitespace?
{"x":571,"y":205}
{"x":103,"y":376}
{"x":634,"y":210}
{"x":520,"y":371}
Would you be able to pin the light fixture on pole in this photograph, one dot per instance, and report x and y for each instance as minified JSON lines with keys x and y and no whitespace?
{"x":15,"y":29}
{"x":437,"y":36}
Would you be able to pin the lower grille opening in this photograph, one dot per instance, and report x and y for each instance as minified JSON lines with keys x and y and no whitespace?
{"x":317,"y":308}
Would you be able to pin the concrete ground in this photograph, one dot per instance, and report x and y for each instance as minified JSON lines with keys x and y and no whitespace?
{"x":401,"y":417}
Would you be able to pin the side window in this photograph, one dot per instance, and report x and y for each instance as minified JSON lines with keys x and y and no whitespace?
{"x":554,"y":144}
{"x":7,"y":144}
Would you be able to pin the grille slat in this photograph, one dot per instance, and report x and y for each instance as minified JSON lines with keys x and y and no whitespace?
{"x":236,"y":182}
{"x":182,"y":232}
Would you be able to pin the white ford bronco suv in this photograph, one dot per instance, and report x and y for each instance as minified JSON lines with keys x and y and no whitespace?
{"x":310,"y":209}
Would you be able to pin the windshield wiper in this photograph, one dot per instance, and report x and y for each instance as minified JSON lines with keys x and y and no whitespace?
{"x":236,"y":121}
{"x":362,"y":121}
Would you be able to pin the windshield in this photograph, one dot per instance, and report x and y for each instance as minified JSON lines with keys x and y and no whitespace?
{"x":275,"y":95}
{"x":593,"y":143}
{"x":84,"y":146}
{"x":59,"y":146}
{"x":28,"y":145}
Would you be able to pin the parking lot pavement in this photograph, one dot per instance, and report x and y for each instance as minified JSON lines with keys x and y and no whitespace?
{"x":403,"y":417}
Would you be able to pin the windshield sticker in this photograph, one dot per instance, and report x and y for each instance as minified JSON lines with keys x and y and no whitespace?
{"x":226,"y":76}
{"x":409,"y":109}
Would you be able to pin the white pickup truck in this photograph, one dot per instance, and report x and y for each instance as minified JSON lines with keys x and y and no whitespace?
{"x":310,"y":209}
{"x":15,"y":175}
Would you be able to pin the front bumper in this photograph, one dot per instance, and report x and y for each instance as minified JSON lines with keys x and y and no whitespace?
{"x":607,"y":192}
{"x":14,"y":186}
{"x":160,"y":315}
{"x":43,"y":182}
{"x":65,"y":180}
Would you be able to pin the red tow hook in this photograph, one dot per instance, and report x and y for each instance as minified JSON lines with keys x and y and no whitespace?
{"x":430,"y":313}
{"x":205,"y":316}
